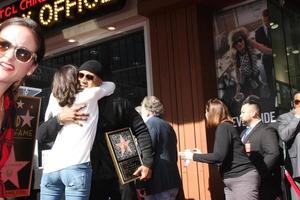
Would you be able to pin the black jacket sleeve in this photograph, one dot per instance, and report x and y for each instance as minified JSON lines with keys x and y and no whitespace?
{"x":140,"y":131}
{"x":270,"y":147}
{"x":48,"y":131}
{"x":221,"y":147}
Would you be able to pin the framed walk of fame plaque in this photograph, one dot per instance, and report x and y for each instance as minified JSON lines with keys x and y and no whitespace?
{"x":124,"y":153}
{"x":16,"y":174}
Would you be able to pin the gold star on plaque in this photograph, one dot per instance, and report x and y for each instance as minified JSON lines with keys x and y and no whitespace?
{"x":124,"y":145}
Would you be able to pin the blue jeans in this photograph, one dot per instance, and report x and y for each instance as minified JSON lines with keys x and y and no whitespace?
{"x":73,"y":181}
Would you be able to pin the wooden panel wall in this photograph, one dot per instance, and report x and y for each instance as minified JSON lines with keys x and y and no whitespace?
{"x":184,"y":78}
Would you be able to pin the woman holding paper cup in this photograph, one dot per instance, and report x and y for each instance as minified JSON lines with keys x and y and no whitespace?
{"x":239,"y":175}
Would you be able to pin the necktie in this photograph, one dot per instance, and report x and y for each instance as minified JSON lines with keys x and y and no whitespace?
{"x":246,"y":133}
{"x":268,"y":34}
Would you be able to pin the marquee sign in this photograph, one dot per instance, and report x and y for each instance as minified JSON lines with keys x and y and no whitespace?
{"x":60,"y":13}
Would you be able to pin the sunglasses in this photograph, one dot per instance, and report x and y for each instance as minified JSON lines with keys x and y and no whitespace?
{"x":88,"y":77}
{"x":22,"y":54}
{"x":296,"y":102}
{"x":240,"y":40}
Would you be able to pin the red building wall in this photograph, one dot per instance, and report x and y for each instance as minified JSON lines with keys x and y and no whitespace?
{"x":184,"y":78}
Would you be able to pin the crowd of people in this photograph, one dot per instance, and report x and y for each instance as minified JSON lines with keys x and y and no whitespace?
{"x":83,"y":107}
{"x":250,"y":162}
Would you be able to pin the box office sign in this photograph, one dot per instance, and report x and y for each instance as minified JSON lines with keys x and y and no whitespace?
{"x":124,"y":153}
{"x":57,"y":14}
{"x":16,"y":174}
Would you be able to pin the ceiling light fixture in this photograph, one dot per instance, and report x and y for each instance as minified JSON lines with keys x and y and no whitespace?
{"x":111,"y":28}
{"x":71,"y":40}
{"x":274,"y":26}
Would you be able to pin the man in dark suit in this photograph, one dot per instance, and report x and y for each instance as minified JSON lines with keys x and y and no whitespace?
{"x":262,"y":36}
{"x":165,"y":181}
{"x":289,"y":128}
{"x":261,"y":144}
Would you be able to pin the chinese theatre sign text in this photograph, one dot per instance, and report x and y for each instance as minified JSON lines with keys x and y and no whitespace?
{"x":60,"y":13}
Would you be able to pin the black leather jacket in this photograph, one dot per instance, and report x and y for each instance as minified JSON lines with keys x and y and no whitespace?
{"x":114,"y":113}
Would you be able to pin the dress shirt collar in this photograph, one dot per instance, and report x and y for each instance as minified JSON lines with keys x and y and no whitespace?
{"x":147,"y":118}
{"x":254,"y":124}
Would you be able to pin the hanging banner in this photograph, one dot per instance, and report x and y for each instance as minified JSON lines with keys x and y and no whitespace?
{"x":16,"y":174}
{"x":244,"y":59}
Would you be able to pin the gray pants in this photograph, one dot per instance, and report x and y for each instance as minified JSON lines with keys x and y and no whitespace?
{"x":244,"y":187}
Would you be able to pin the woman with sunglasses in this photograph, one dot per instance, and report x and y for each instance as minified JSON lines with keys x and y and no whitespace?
{"x":22,"y":47}
{"x":67,"y":169}
{"x":240,"y":177}
{"x":245,"y":61}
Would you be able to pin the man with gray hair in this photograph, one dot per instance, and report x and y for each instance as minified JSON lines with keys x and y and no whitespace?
{"x":165,"y":181}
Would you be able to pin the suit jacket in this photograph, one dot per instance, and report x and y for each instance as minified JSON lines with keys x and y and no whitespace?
{"x":267,"y":60}
{"x":264,"y":148}
{"x":261,"y":37}
{"x":288,"y":129}
{"x":165,"y":174}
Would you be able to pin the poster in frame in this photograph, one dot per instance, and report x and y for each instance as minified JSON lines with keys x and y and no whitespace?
{"x":244,"y":59}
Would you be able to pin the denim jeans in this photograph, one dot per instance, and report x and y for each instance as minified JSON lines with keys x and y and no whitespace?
{"x":73,"y":181}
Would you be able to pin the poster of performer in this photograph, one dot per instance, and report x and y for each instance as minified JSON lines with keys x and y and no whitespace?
{"x":16,"y":174}
{"x":244,"y":60}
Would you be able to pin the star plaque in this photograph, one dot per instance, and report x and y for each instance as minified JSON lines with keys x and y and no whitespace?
{"x":16,"y":174}
{"x":124,"y":153}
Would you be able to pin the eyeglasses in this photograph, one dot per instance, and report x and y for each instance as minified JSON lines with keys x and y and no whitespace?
{"x":88,"y":77}
{"x":240,"y":40}
{"x":296,"y":101}
{"x":22,"y":54}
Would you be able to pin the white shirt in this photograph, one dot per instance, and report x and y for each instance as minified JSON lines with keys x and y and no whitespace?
{"x":73,"y":143}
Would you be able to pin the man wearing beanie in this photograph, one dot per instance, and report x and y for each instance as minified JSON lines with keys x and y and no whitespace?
{"x":114,"y":113}
{"x":94,"y":67}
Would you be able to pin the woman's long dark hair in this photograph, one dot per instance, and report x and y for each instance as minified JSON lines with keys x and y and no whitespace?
{"x":217,"y":112}
{"x":65,"y":85}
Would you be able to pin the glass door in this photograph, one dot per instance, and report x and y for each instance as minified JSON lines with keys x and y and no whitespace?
{"x":285,"y":31}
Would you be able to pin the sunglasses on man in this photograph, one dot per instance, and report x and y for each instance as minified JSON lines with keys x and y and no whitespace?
{"x":88,"y":77}
{"x":22,"y":54}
